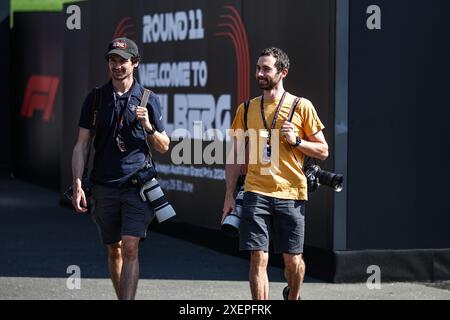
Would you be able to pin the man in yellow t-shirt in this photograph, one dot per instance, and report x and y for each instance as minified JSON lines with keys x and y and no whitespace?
{"x":275,"y":185}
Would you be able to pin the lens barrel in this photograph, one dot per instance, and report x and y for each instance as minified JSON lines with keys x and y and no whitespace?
{"x":330,"y":179}
{"x":152,"y":192}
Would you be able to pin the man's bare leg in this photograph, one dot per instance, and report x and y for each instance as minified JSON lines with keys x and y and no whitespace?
{"x":294,"y":273}
{"x":130,"y":268}
{"x":259,"y":281}
{"x":115,"y":264}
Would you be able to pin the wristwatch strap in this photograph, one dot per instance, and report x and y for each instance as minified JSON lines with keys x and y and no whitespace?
{"x":298,"y":141}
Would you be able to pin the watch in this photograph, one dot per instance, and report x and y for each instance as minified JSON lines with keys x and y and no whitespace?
{"x":298,"y":141}
{"x":151,"y":132}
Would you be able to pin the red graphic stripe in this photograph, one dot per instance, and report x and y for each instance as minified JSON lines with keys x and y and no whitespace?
{"x":244,"y":60}
{"x":124,"y":33}
{"x":120,"y":26}
{"x":246,"y":51}
{"x":240,"y":57}
{"x":236,"y":49}
{"x":238,"y":36}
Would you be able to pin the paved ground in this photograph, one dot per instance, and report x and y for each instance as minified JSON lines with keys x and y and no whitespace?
{"x":39,"y":240}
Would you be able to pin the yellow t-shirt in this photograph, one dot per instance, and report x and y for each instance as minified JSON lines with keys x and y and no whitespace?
{"x":283,"y":177}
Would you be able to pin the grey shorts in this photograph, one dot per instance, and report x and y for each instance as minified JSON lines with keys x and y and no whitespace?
{"x":120,"y":212}
{"x":266,"y":219}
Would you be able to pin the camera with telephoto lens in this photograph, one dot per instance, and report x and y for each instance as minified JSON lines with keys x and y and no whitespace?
{"x":152,"y":192}
{"x":316,"y":176}
{"x":230,"y":225}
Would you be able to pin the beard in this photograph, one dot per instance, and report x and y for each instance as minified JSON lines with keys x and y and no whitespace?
{"x":268,"y":84}
{"x":120,"y":75}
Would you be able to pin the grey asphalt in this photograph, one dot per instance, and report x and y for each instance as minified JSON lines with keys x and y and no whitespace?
{"x":39,"y":240}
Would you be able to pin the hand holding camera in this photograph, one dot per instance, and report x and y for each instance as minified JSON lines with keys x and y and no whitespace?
{"x":230,"y":224}
{"x":228,"y":206}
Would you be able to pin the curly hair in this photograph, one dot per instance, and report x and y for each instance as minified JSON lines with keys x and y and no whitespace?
{"x":281,"y":57}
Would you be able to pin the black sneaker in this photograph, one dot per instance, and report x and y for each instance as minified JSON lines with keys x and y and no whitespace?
{"x":286,"y":293}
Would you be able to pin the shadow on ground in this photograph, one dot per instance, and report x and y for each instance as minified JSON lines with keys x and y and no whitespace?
{"x":40,"y":238}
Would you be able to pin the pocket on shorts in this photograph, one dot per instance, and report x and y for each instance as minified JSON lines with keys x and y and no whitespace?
{"x":294,"y":209}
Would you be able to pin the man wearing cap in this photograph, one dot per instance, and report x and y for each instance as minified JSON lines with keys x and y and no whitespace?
{"x":124,"y":131}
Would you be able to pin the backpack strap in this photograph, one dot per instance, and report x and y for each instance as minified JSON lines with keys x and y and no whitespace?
{"x":293,"y":107}
{"x":96,"y":102}
{"x":246,"y":106}
{"x":291,"y":112}
{"x":144,"y":101}
{"x":145,"y":97}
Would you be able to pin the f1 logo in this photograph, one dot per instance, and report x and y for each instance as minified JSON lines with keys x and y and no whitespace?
{"x":40,"y":95}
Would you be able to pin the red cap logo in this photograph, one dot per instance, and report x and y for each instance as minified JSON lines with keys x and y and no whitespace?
{"x":120,"y":44}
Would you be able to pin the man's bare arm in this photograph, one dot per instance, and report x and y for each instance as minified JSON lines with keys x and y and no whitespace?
{"x":79,"y":157}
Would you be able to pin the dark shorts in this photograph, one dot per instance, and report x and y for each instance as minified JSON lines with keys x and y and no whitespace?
{"x":266,"y":219}
{"x":120,"y":212}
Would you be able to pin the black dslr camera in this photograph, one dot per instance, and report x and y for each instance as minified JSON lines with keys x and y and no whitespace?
{"x":316,"y":176}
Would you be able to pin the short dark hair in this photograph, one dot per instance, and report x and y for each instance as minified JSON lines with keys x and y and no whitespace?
{"x":281,"y":57}
{"x":135,"y":59}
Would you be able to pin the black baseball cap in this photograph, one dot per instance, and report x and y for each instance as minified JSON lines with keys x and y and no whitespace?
{"x":124,"y":47}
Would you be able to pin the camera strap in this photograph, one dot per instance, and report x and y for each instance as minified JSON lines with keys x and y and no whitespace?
{"x":293,"y":107}
{"x":307,"y":160}
{"x":290,"y":117}
{"x":144,"y":101}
